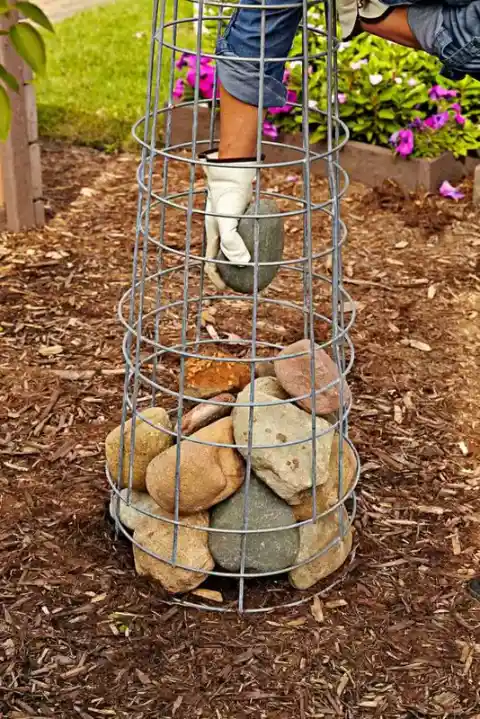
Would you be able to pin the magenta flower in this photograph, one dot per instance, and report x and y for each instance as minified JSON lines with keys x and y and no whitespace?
{"x":435,"y":122}
{"x":207,"y":78}
{"x":179,"y":88}
{"x":404,"y":142}
{"x":342,"y":98}
{"x":270,"y":130}
{"x":459,"y":118}
{"x":286,"y":77}
{"x":283,"y":109}
{"x":447,"y":190}
{"x":437,"y":92}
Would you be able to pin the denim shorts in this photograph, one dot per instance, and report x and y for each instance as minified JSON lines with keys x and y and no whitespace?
{"x":450,"y":31}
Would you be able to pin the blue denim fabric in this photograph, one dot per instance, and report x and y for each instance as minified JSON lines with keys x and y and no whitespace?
{"x":450,"y":31}
{"x":242,"y":39}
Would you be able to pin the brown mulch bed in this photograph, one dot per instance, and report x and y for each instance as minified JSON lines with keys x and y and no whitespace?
{"x":82,"y":636}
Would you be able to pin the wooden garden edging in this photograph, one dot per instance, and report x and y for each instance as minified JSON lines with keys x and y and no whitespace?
{"x":20,"y":168}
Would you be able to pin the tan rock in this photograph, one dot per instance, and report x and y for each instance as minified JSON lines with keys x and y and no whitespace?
{"x":149,"y":441}
{"x":286,"y":468}
{"x":295,"y":377}
{"x":204,"y":414}
{"x":208,"y":377}
{"x":327,"y":494}
{"x":208,"y":475}
{"x":313,"y":538}
{"x":192,"y":551}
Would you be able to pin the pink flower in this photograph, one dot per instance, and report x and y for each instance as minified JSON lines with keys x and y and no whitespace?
{"x":207,"y":78}
{"x":270,"y":130}
{"x":404,"y":142}
{"x":447,"y":190}
{"x":459,"y":118}
{"x":283,"y":109}
{"x":179,"y":88}
{"x":342,"y":98}
{"x":286,"y":77}
{"x":435,"y":122}
{"x":437,"y":92}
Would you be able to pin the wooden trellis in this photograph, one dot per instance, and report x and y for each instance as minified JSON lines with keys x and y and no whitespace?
{"x":20,"y":168}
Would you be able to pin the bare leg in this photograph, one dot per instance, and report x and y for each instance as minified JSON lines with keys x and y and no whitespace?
{"x":238,"y":128}
{"x":394,"y":27}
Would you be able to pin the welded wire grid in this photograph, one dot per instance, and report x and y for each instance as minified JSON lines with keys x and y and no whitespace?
{"x":162,"y":310}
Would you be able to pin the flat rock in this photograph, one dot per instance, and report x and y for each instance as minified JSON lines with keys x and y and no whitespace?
{"x":206,"y":377}
{"x":265,"y":552}
{"x":208,"y":475}
{"x":131,"y":514}
{"x":204,"y":414}
{"x":192,"y":551}
{"x":270,"y":249}
{"x":314,"y":538}
{"x":286,"y":469}
{"x":327,"y":494}
{"x":149,"y":442}
{"x":295,"y":377}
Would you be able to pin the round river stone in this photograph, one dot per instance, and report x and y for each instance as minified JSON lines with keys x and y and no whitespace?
{"x":265,"y":552}
{"x":270,"y":249}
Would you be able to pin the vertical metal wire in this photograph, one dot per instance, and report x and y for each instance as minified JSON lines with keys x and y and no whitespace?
{"x":129,"y":338}
{"x":254,"y":259}
{"x":188,"y":243}
{"x":163,"y":208}
{"x":308,"y":268}
{"x":332,"y":181}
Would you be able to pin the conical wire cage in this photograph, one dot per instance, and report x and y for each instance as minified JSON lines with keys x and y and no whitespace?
{"x":232,"y":471}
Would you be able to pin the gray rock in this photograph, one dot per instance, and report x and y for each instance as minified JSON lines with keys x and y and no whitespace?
{"x":265,"y":552}
{"x":131,"y":514}
{"x":270,"y":249}
{"x":286,"y":468}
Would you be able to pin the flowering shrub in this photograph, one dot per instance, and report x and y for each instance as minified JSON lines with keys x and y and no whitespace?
{"x":445,"y":129}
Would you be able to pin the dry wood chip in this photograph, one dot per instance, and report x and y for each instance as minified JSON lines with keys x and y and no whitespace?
{"x":317,"y":610}
{"x":209,"y":594}
{"x":430,"y":510}
{"x":419,"y":345}
{"x":342,"y":685}
{"x":336,"y":604}
{"x":50,"y":351}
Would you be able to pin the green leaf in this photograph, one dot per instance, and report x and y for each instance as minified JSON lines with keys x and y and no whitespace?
{"x":34,"y":13}
{"x":4,"y":7}
{"x":8,"y":79}
{"x":29,"y":44}
{"x":386,"y":114}
{"x":5,"y":114}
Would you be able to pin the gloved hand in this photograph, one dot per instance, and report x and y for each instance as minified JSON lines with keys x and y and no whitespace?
{"x":229,"y":192}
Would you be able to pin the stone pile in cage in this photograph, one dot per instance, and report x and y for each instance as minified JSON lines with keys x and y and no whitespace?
{"x":201,"y":488}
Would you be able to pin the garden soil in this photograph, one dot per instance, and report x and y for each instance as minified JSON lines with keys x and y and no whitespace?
{"x":396,"y":637}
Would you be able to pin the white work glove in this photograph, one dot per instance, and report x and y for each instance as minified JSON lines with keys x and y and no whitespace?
{"x":229,"y":193}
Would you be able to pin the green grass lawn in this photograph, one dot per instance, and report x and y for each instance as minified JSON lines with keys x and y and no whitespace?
{"x":95,"y":84}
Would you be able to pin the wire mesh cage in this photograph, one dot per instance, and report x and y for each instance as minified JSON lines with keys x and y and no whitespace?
{"x":232,"y":470}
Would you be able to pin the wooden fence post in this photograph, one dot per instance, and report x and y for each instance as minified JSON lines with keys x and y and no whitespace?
{"x":20,"y":154}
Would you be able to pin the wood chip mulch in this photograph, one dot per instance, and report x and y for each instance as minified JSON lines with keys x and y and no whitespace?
{"x":82,"y":636}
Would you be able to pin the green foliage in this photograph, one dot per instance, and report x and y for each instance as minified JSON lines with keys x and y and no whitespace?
{"x":28,"y":43}
{"x":96,"y":82}
{"x":383,"y":87}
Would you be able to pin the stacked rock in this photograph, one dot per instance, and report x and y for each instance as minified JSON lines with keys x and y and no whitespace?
{"x":205,"y":476}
